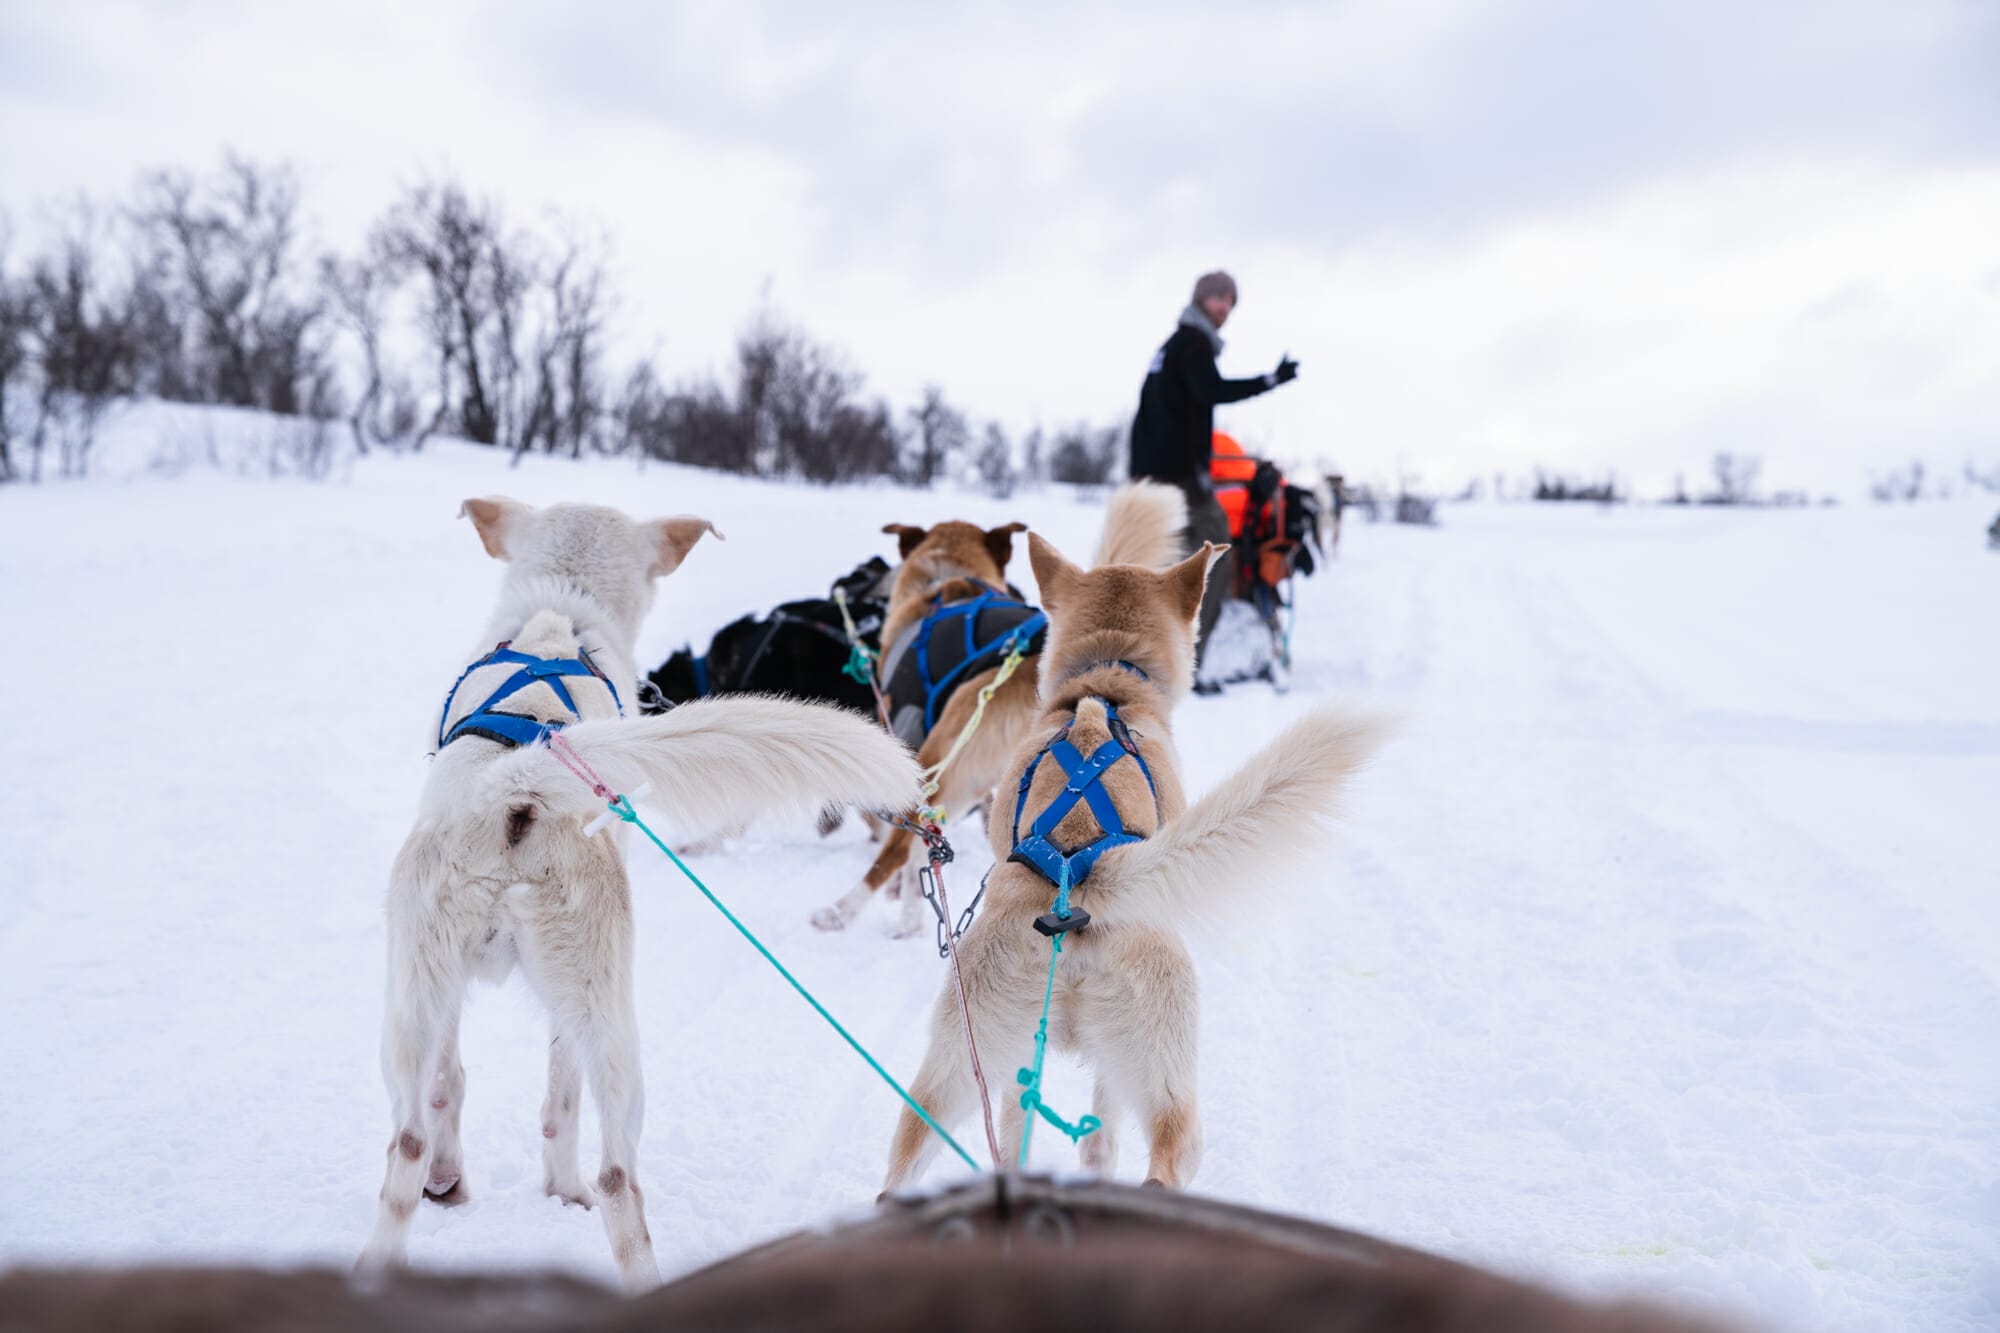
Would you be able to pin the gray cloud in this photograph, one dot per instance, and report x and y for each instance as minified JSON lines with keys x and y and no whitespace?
{"x":921,"y":129}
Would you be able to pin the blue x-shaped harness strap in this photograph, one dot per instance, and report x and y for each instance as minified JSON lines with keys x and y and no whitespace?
{"x":1085,"y":784}
{"x":512,"y":728}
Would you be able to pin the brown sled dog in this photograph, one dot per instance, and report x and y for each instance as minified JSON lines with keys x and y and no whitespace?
{"x":954,"y":561}
{"x":1119,"y":656}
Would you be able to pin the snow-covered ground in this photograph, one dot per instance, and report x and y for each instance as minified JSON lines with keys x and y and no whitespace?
{"x":1661,"y":953}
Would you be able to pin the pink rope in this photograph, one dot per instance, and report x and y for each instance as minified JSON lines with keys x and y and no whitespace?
{"x":964,"y":1009}
{"x":567,"y":756}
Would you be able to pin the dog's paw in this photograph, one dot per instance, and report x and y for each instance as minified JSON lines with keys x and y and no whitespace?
{"x":447,"y":1188}
{"x":574,"y":1193}
{"x":831,"y":917}
{"x":372,"y":1271}
{"x":904,"y":930}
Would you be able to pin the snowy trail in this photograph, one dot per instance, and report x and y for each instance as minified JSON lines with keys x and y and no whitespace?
{"x":1658,"y":955}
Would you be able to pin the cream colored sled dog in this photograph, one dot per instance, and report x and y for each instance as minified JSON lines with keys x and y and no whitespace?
{"x":1119,"y":656}
{"x":498,"y":872}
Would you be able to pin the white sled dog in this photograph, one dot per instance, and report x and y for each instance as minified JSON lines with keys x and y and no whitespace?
{"x":1097,"y":776}
{"x":498,"y":871}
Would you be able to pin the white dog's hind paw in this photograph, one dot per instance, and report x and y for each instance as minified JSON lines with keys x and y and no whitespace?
{"x":372,"y":1269}
{"x":640,"y":1272}
{"x":446,"y":1188}
{"x":840,"y":913}
{"x":575,"y":1192}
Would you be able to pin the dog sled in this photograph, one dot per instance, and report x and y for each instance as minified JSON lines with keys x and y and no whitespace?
{"x":801,"y":649}
{"x":1017,"y":1251}
{"x":1274,"y":527}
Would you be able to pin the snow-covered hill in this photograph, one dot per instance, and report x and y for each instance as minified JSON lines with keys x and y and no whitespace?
{"x":1661,"y":952}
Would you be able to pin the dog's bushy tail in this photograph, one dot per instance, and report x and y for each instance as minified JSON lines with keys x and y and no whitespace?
{"x":1254,"y":827}
{"x":1142,"y":526}
{"x":716,"y":764}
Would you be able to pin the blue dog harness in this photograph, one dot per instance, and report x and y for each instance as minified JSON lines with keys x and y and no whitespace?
{"x":513,"y":729}
{"x":1086,"y":783}
{"x":1008,"y":624}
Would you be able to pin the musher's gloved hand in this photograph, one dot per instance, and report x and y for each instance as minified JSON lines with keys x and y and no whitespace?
{"x":1287,"y":371}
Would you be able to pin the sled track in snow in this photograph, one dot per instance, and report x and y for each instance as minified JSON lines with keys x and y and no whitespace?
{"x":1658,"y":952}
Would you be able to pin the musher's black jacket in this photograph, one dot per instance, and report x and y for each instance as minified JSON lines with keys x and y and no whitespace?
{"x":1174,"y":433}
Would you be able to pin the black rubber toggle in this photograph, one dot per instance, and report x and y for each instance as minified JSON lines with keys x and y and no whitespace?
{"x":1052,"y":925}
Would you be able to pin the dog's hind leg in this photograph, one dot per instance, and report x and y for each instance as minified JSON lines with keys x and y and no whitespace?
{"x":1003,"y":1019}
{"x":1173,"y":1124}
{"x":1013,"y":1119}
{"x":426,"y":991}
{"x":891,"y":859}
{"x":446,"y":1180}
{"x":943,"y":1087}
{"x":1141,"y":1039}
{"x":579,"y":959}
{"x":576,"y":952}
{"x":407,"y":1045}
{"x":1159,"y":1085}
{"x":562,"y":1178}
{"x":1098,"y":1152}
{"x":612,"y":1053}
{"x":1165,"y":1095}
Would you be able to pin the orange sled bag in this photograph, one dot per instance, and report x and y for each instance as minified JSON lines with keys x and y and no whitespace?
{"x":1230,"y":470}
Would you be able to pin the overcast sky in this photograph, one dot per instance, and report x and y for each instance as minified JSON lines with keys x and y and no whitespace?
{"x":1576,"y":232}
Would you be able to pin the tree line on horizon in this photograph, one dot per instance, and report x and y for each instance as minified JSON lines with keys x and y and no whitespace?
{"x":451,"y":318}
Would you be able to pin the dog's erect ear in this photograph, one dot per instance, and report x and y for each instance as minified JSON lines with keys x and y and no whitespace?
{"x":1190,"y":576}
{"x":1053,"y":574}
{"x":674,"y":537}
{"x":494,"y":516}
{"x":1000,"y":543}
{"x":907,"y":538}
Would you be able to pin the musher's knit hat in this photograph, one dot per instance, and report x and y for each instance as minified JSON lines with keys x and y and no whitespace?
{"x":1217,"y":283}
